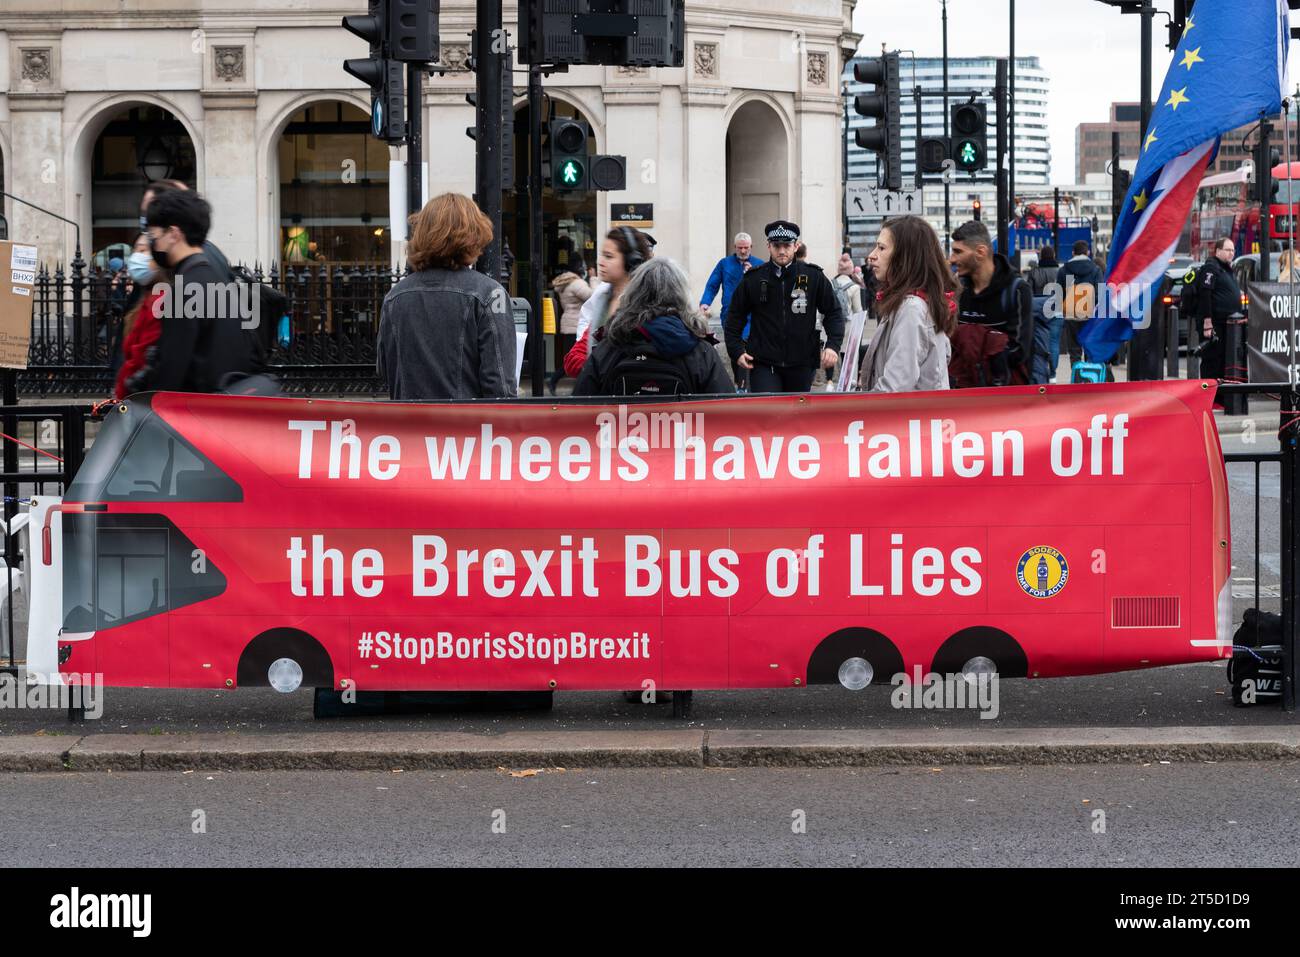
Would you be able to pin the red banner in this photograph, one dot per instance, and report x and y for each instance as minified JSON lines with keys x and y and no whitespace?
{"x":740,"y":542}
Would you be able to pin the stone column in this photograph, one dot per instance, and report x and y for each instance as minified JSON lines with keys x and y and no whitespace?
{"x":37,"y":162}
{"x":228,"y":165}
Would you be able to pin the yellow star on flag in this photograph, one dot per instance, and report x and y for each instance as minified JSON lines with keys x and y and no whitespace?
{"x":1191,"y":57}
{"x":1177,"y":97}
{"x":1190,"y":23}
{"x":1140,"y":201}
{"x":1151,"y":138}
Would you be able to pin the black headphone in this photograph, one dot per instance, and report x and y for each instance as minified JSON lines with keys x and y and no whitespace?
{"x":633,"y":258}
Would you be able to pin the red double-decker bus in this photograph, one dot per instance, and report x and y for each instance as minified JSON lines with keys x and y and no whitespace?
{"x":1226,"y":207}
{"x":220,"y":542}
{"x":1283,"y":210}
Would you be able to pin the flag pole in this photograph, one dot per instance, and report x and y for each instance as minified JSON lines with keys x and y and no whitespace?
{"x":1290,"y":278}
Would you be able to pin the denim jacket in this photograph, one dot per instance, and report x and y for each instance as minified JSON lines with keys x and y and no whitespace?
{"x":447,"y":334}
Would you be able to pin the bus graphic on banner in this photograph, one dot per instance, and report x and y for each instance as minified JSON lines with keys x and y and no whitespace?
{"x":758,"y":541}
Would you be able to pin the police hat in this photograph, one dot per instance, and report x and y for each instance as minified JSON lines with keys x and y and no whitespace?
{"x":781,"y":231}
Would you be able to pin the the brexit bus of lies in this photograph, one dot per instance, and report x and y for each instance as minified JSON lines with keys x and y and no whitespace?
{"x":746,"y":542}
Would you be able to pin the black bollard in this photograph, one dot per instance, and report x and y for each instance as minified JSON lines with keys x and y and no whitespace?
{"x":1234,"y":364}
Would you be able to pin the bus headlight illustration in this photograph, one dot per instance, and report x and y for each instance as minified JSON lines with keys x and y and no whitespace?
{"x":285,"y":675}
{"x":856,"y":673}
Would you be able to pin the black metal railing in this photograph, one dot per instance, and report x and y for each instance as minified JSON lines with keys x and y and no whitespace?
{"x":43,"y":449}
{"x":1286,"y":460}
{"x":324,"y":343}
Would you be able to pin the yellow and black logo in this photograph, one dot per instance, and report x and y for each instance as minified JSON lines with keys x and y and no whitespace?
{"x":1042,"y":571}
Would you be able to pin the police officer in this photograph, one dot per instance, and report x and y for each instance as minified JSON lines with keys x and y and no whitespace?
{"x":1218,"y":297}
{"x":782,"y":298}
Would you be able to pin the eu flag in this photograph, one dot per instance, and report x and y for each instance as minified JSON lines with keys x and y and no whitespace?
{"x":1230,"y":67}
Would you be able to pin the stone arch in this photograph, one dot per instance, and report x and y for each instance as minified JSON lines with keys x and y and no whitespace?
{"x":268,"y":166}
{"x":79,"y":194}
{"x":759,"y":169}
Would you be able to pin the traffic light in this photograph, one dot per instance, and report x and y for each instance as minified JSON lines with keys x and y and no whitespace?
{"x":607,"y":32}
{"x":413,"y":30}
{"x":932,"y":152}
{"x":970,"y":139}
{"x":568,"y":155}
{"x":608,"y":172}
{"x":884,"y":137}
{"x":1178,"y":21}
{"x":381,"y":74}
{"x":1121,"y":180}
{"x":976,"y":210}
{"x":1266,"y":188}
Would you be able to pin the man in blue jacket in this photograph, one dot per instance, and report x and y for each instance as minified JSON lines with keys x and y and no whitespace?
{"x":1080,"y":270}
{"x":727,"y":274}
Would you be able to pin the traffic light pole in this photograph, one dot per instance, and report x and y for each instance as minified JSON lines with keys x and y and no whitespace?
{"x":537,"y":268}
{"x":487,"y":173}
{"x":414,"y":138}
{"x":1000,"y":96}
{"x":947,"y":176}
{"x":1264,"y":176}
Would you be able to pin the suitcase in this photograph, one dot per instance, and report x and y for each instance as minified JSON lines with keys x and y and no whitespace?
{"x":1088,"y":372}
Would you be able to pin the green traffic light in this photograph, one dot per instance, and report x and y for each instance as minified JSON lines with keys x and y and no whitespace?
{"x":969,"y":155}
{"x":571,"y":173}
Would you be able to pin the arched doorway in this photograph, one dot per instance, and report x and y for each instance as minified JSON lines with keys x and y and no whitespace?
{"x":140,"y":144}
{"x":758,"y":162}
{"x":333,"y":186}
{"x":568,"y":220}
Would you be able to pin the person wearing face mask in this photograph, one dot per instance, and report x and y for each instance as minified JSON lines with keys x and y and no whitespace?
{"x":782,"y":298}
{"x":214,"y":255}
{"x":196,"y":353}
{"x":141,"y":326}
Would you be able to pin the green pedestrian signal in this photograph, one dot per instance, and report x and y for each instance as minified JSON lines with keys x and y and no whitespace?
{"x":564,"y":153}
{"x":571,"y":173}
{"x":970,"y":150}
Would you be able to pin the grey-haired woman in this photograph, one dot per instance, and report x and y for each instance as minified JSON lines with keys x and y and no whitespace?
{"x":656,"y":343}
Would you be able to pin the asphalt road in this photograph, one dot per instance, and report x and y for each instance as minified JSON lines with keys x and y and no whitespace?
{"x":1154,"y":815}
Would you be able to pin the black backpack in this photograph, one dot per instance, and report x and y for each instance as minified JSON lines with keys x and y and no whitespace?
{"x":645,"y":372}
{"x":271,"y":306}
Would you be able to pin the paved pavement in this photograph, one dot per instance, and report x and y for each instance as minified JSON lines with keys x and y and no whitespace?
{"x":1154,"y":815}
{"x":1183,"y":696}
{"x":683,"y":747}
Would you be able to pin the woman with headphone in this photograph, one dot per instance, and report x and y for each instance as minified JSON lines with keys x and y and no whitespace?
{"x":623,"y":250}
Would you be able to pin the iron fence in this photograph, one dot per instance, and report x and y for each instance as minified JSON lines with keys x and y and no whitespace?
{"x":324,"y":343}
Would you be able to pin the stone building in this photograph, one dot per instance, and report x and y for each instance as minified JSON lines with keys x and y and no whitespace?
{"x":247,"y":101}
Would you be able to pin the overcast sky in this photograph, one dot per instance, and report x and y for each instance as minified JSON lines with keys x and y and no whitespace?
{"x":1090,"y":51}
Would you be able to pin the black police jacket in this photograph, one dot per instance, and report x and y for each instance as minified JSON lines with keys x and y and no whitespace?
{"x":1218,"y":295}
{"x":782,"y":309}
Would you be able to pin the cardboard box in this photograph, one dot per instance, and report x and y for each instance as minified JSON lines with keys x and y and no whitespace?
{"x":17,"y":291}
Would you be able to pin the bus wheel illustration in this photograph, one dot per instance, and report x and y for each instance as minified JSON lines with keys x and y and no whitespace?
{"x":854,"y":658}
{"x":981,"y":650}
{"x":285,"y":659}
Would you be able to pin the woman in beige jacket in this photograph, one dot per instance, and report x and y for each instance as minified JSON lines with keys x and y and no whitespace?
{"x":573,"y":291}
{"x":918,"y":310}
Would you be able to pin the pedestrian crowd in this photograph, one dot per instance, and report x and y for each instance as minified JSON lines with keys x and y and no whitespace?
{"x":914,"y":319}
